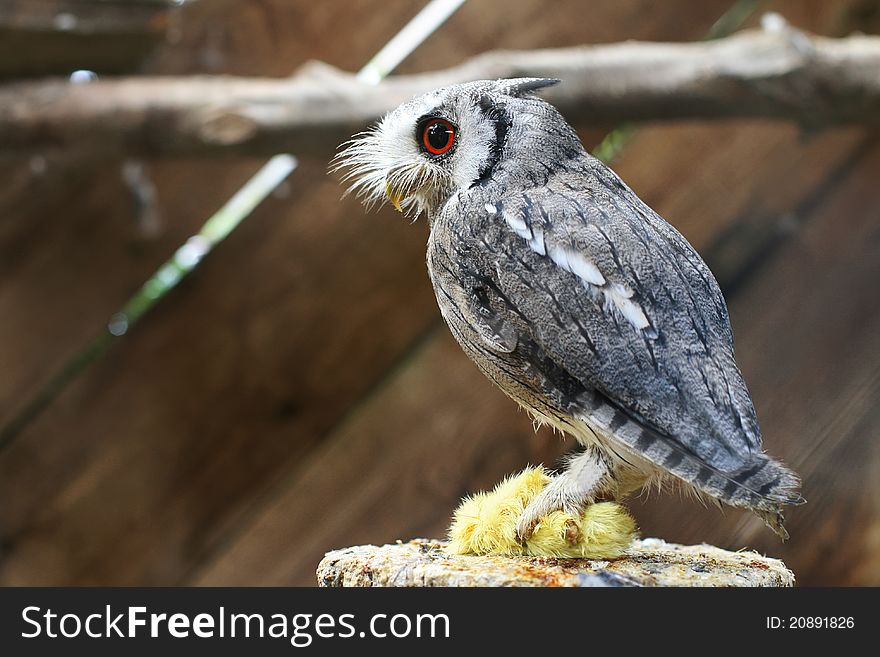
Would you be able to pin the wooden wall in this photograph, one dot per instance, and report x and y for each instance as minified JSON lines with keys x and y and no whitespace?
{"x":299,"y":392}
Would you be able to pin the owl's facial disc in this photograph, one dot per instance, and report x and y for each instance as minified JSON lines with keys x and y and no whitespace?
{"x":433,"y":146}
{"x":406,"y":159}
{"x":435,"y":137}
{"x":419,"y":154}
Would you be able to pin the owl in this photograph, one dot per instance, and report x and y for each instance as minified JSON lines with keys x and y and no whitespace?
{"x":574,"y":297}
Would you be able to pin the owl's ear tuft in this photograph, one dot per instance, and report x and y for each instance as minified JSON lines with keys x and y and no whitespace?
{"x":519,"y":87}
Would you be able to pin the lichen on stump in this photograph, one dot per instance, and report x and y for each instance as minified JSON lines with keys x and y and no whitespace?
{"x":648,"y":562}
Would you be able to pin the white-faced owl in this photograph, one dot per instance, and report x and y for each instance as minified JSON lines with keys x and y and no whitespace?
{"x":574,"y":297}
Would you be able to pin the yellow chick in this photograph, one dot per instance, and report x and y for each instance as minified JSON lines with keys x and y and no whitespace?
{"x":486,"y":524}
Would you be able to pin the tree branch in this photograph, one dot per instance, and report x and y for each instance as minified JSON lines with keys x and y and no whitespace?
{"x":781,"y":74}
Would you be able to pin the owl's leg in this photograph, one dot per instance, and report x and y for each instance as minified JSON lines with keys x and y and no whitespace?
{"x":586,"y":477}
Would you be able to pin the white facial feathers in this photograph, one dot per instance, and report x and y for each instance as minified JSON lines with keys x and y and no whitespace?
{"x":391,"y":156}
{"x":383,"y":156}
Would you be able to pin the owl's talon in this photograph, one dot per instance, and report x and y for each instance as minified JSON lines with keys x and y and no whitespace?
{"x":572,"y":532}
{"x":525,"y":528}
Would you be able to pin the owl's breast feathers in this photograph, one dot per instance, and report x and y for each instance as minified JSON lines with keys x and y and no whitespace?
{"x":587,"y":299}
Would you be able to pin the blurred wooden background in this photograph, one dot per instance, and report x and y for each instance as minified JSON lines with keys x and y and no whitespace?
{"x":299,"y":392}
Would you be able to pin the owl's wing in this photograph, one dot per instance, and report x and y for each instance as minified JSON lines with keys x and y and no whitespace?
{"x":618,"y":299}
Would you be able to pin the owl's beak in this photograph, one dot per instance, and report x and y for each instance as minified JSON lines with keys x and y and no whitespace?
{"x":395,"y":194}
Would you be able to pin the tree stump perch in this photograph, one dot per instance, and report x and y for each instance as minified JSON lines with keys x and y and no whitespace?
{"x":649,"y":562}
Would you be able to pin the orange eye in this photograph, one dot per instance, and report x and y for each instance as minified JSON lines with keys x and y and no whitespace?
{"x":438,"y":135}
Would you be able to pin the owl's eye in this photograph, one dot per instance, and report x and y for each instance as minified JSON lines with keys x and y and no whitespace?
{"x":438,"y":135}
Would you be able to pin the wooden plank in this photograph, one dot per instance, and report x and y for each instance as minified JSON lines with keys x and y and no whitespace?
{"x":274,"y":37}
{"x":85,"y":16}
{"x":150,"y":461}
{"x":65,"y":268}
{"x":383,"y":477}
{"x":709,"y":188}
{"x":56,"y":37}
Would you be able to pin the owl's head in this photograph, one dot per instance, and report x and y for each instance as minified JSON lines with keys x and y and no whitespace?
{"x":447,"y":140}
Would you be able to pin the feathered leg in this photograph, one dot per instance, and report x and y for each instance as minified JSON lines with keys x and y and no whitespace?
{"x":586,"y":477}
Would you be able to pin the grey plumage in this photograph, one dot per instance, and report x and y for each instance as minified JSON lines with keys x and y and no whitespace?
{"x":574,"y":297}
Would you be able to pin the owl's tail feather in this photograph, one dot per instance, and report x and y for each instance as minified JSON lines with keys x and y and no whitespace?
{"x":762,"y":485}
{"x":758,"y":483}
